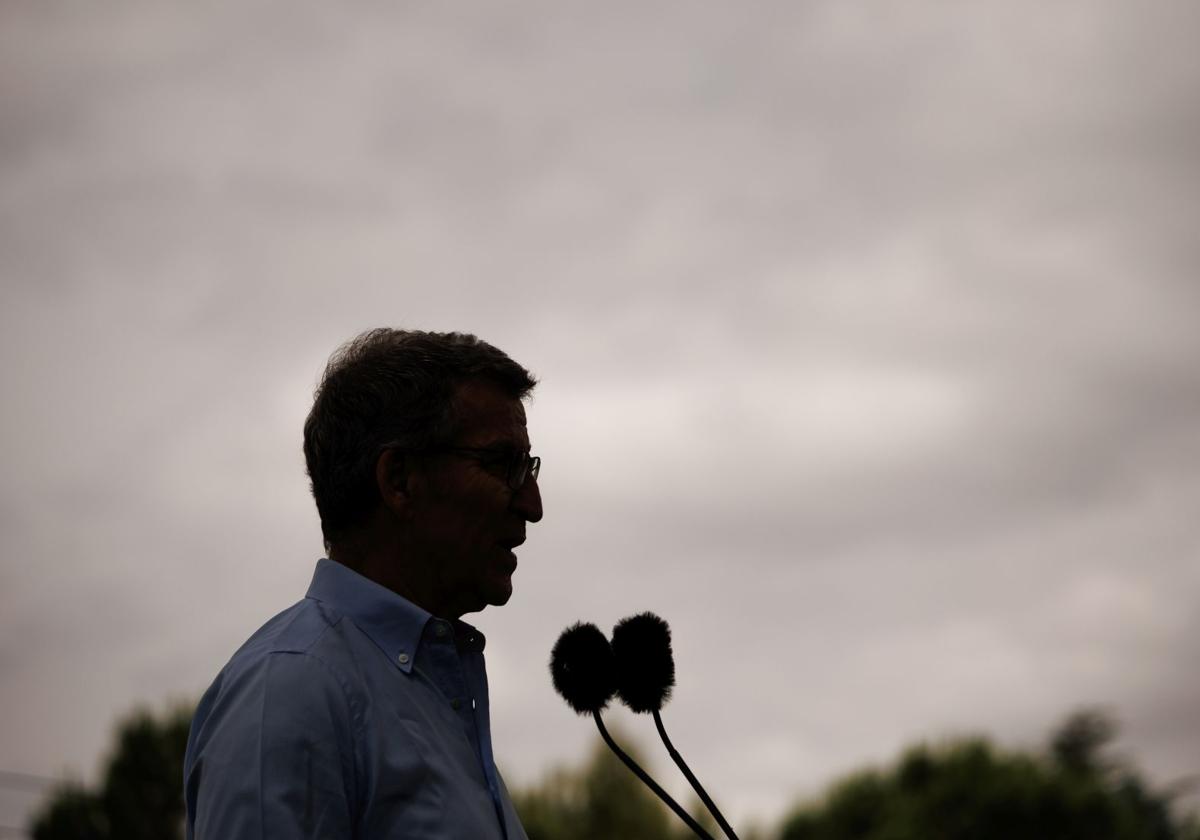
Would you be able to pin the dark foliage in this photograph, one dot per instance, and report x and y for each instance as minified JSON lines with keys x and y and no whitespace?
{"x":141,"y":793}
{"x":969,"y":790}
{"x":1078,"y":743}
{"x":73,"y":813}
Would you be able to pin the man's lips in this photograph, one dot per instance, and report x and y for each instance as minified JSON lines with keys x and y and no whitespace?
{"x":508,"y":546}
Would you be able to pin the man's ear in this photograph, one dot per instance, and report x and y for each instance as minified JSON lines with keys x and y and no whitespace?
{"x":392,"y":480}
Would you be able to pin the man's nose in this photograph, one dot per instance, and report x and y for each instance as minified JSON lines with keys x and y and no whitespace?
{"x":527,"y":501}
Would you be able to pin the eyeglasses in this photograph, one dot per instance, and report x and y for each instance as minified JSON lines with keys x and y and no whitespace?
{"x":513,"y":464}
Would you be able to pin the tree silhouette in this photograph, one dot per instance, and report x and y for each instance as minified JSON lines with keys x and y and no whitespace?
{"x":73,"y":813}
{"x":969,"y":789}
{"x":141,"y":790}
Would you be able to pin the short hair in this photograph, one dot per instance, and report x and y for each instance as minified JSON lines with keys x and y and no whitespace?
{"x":389,"y":387}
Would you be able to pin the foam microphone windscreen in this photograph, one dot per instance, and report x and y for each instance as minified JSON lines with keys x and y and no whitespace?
{"x":641,"y":645}
{"x":582,"y":668}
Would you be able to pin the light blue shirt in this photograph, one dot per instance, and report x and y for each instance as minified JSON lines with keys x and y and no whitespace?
{"x":353,"y":714}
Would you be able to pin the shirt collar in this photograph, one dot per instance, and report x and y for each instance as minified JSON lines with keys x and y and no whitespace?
{"x":392,"y":622}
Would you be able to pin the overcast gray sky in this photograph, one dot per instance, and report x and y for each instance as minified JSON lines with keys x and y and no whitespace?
{"x":867,"y":336}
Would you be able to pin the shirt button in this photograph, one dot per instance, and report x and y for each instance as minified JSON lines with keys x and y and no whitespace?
{"x":456,"y":704}
{"x":402,"y":658}
{"x":440,"y":630}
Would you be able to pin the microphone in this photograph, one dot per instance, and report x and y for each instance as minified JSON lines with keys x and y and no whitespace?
{"x":645,"y":666}
{"x":583,"y":669}
{"x":584,"y":672}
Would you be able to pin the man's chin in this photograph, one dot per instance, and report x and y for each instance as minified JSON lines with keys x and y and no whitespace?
{"x":500,"y":594}
{"x":494,"y":596}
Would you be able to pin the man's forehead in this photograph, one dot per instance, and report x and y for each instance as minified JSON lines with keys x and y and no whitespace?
{"x":483,"y":410}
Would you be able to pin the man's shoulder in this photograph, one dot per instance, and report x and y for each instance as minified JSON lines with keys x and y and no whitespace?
{"x":298,"y":629}
{"x":308,"y":627}
{"x":298,"y":650}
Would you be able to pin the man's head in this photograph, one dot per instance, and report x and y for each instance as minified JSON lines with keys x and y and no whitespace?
{"x":426,"y":432}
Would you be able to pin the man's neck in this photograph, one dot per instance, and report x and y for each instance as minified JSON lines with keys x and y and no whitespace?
{"x":382,"y":561}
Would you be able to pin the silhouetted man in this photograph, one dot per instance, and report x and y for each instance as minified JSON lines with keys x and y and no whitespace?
{"x":362,"y":711}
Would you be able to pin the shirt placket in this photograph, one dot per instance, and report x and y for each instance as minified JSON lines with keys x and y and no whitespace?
{"x":459,"y":676}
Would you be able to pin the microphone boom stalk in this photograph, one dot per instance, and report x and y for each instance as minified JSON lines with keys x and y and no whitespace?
{"x":653,"y":785}
{"x":691,"y":777}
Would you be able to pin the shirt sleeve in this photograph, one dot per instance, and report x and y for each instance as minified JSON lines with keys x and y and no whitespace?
{"x":274,"y":758}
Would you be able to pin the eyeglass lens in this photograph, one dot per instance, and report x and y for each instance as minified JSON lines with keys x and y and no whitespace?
{"x":524,"y":466}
